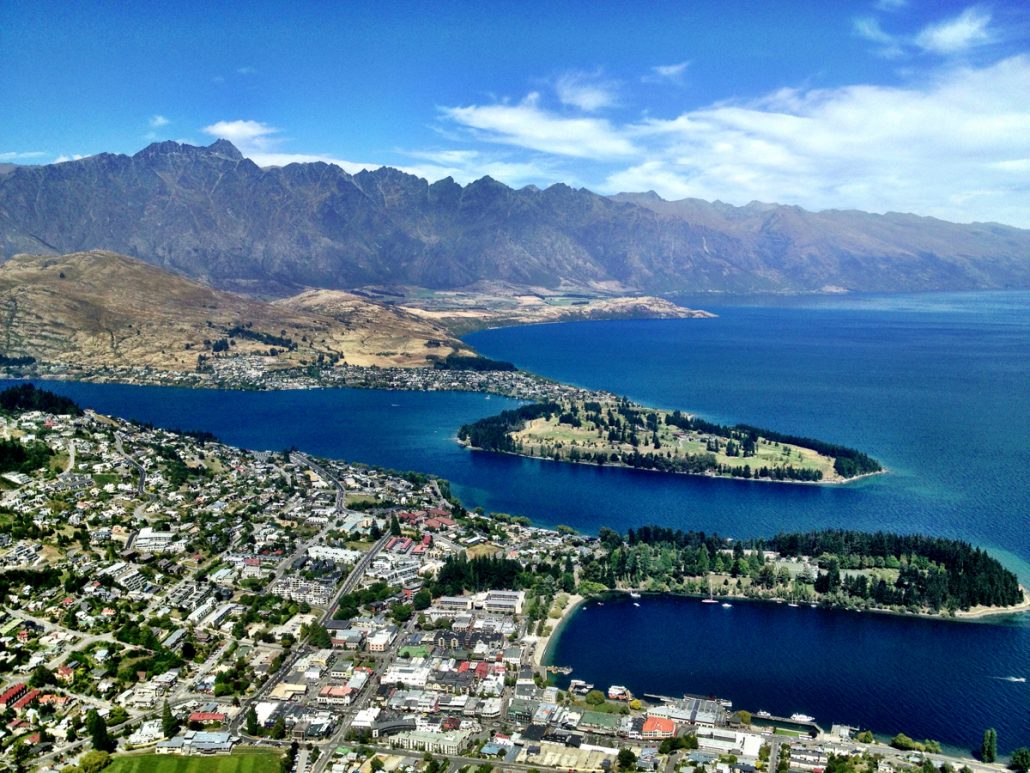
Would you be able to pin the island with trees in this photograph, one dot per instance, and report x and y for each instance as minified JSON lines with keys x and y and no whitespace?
{"x":614,"y":431}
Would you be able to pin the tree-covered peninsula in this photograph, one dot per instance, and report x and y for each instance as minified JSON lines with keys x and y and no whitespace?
{"x":880,"y":571}
{"x":615,"y":431}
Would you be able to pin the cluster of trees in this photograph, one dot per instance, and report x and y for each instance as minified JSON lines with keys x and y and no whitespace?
{"x":160,"y":658}
{"x":933,"y":572}
{"x":466,"y":362}
{"x":662,"y":554}
{"x":18,"y":457}
{"x":351,"y":603}
{"x":848,"y":462}
{"x":15,"y":361}
{"x":13,"y":580}
{"x":27,"y":397}
{"x":493,"y":432}
{"x":459,"y":574}
{"x":240,"y":331}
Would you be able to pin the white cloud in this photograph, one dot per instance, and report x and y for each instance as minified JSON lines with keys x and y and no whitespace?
{"x":72,"y":157}
{"x":668,"y":72}
{"x":968,"y":29}
{"x":954,"y":145}
{"x":260,"y":143}
{"x":246,"y":135}
{"x":891,"y":5}
{"x":585,"y":91}
{"x":157,"y":121}
{"x":13,"y":156}
{"x":245,"y":70}
{"x":527,"y":125}
{"x":949,"y":37}
{"x":468,"y":165}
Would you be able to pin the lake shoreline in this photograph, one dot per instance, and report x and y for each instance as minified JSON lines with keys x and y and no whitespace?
{"x":622,"y":466}
{"x":976,"y":615}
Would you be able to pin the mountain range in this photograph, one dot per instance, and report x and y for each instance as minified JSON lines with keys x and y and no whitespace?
{"x":213,"y":215}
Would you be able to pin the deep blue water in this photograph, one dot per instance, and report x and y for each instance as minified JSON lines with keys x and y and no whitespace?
{"x":926,"y":678}
{"x":936,"y":387}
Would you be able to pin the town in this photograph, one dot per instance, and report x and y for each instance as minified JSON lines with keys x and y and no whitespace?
{"x":165,"y":594}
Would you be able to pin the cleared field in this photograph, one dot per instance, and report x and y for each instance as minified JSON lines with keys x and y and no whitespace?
{"x":248,"y":760}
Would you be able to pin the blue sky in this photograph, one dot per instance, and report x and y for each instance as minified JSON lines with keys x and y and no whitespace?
{"x":877,"y":105}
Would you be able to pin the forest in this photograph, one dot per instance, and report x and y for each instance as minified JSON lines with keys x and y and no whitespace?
{"x":464,"y":362}
{"x":492,"y":433}
{"x":882,"y":569}
{"x":18,"y":457}
{"x":27,"y":397}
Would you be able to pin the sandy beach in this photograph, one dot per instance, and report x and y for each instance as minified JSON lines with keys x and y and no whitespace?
{"x":542,"y":642}
{"x":978,"y":612}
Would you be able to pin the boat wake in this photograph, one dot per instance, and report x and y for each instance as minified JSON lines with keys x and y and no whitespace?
{"x":1017,"y":679}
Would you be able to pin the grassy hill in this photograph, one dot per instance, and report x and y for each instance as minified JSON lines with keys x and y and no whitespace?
{"x":99,"y":309}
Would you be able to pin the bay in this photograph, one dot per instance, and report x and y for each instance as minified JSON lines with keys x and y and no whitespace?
{"x":927,"y":678}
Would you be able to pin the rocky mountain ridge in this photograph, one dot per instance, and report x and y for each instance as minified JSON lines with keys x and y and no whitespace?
{"x":210,"y":213}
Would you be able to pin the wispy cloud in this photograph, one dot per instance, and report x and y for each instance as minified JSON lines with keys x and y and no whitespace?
{"x":586,"y":91}
{"x":68,"y":157}
{"x":157,"y":121}
{"x":953,"y":145}
{"x":528,"y":125}
{"x":246,"y":135}
{"x":967,"y":30}
{"x":14,"y":156}
{"x":246,"y":70}
{"x":669,"y":73}
{"x":948,"y":37}
{"x":261,"y":144}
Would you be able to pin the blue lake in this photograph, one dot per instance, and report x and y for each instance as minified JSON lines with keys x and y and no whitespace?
{"x":937,"y":387}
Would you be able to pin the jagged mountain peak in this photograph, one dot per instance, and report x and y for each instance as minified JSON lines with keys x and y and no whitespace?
{"x":208,"y":212}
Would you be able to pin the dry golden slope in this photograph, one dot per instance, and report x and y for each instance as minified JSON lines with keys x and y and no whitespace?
{"x":99,"y":308}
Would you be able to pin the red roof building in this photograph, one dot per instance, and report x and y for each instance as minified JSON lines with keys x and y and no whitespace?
{"x":658,"y":727}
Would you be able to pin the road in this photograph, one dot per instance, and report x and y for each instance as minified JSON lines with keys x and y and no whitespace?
{"x":348,"y":585}
{"x":341,"y":492}
{"x":142,"y":485}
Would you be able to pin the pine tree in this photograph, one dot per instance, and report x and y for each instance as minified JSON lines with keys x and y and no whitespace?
{"x":395,"y":526}
{"x":252,"y":722}
{"x":97,"y":728}
{"x":989,"y":748}
{"x":168,"y":724}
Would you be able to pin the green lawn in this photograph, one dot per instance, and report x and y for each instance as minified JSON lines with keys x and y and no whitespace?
{"x":248,"y":760}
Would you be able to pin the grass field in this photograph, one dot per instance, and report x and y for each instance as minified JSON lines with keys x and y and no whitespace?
{"x":248,"y":760}
{"x":543,"y":437}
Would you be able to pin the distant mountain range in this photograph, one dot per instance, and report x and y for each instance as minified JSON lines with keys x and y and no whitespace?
{"x":211,"y":214}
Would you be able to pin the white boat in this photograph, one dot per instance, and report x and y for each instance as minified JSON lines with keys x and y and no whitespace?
{"x":726,"y":605}
{"x":709,"y":600}
{"x":792,"y":604}
{"x":801,"y":718}
{"x":762,"y":713}
{"x":634,"y":595}
{"x":635,"y":604}
{"x":1019,"y":679}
